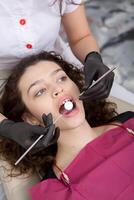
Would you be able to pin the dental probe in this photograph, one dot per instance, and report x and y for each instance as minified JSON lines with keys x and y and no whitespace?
{"x":99,"y":79}
{"x":69,"y":105}
{"x":26,"y":152}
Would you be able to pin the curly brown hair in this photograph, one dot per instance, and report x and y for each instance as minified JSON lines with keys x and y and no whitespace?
{"x":97,"y":113}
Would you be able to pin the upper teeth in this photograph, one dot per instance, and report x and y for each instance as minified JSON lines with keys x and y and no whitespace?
{"x":66,"y":100}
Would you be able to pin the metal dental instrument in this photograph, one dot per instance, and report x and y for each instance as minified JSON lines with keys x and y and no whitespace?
{"x":94,"y":83}
{"x":99,"y":79}
{"x":26,"y":152}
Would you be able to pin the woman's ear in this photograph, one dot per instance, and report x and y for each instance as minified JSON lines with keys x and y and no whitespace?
{"x":29,"y":118}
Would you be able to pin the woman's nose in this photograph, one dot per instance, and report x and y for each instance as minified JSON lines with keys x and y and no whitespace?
{"x":57,"y":91}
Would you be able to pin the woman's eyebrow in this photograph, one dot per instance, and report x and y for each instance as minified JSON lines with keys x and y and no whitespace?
{"x":56,"y":71}
{"x":33,"y":84}
{"x":41,"y":80}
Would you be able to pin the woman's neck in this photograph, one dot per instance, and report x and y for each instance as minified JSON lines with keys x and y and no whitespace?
{"x":71,"y":142}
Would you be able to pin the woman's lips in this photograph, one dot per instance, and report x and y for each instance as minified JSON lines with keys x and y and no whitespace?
{"x":71,"y":113}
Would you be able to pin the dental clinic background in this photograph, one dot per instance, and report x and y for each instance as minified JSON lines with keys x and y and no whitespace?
{"x":113,"y":25}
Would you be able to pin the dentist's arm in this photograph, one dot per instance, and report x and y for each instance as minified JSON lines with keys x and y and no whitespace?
{"x":85,"y":48}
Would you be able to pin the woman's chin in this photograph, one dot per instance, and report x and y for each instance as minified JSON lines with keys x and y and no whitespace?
{"x":72,"y":122}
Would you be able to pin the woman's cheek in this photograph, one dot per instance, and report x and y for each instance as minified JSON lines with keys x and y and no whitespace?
{"x":36,"y":110}
{"x":73,"y":87}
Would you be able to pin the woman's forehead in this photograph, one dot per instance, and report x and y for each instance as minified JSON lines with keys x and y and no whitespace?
{"x":40,"y":70}
{"x":44,"y":65}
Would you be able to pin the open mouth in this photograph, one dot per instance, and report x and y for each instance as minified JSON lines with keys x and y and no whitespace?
{"x":67,"y":107}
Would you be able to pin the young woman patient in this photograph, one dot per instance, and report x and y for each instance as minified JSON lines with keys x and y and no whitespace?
{"x":92,"y":157}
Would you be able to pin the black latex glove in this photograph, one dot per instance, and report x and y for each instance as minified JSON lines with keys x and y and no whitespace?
{"x":94,"y":68}
{"x":25,"y":134}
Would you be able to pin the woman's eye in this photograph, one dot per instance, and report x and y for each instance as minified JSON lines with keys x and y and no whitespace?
{"x":40,"y":92}
{"x":63,"y":78}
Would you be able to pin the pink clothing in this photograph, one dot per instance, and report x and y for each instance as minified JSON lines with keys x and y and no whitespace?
{"x":103,"y":170}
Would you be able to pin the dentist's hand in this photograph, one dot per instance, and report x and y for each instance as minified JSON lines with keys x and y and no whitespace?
{"x":25,"y":134}
{"x":94,"y":68}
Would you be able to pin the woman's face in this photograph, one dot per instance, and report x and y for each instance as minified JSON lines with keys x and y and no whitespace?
{"x":44,"y":88}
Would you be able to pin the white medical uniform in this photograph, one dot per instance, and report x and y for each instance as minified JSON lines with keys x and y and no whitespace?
{"x":30,"y":26}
